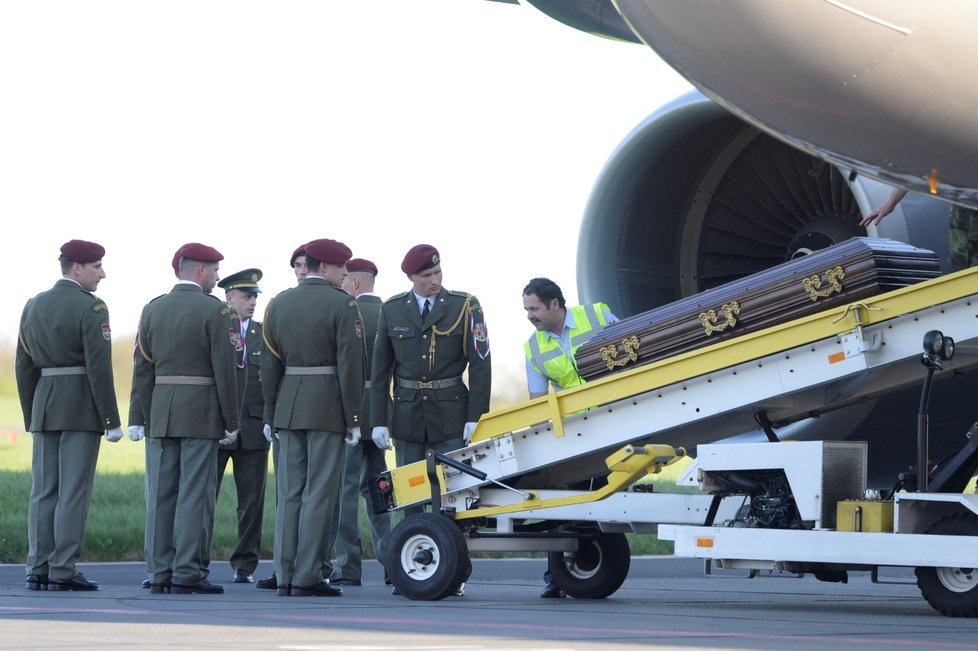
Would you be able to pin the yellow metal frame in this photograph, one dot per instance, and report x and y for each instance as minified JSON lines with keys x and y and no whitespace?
{"x":554,"y":407}
{"x":625,"y":465}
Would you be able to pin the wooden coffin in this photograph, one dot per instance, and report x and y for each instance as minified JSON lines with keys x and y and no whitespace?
{"x":838,"y":275}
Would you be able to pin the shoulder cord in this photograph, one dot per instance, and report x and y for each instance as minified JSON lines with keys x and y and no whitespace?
{"x":435,"y":332}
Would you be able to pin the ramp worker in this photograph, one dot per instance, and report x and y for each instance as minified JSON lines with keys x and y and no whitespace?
{"x":550,"y":351}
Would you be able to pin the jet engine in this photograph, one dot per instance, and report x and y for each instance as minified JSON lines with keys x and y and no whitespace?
{"x":694,"y":197}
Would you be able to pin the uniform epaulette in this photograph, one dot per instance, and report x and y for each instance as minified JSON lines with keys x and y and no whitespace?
{"x":351,"y":303}
{"x":396,"y":297}
{"x":98,"y":307}
{"x":226,"y":310}
{"x":459,"y":294}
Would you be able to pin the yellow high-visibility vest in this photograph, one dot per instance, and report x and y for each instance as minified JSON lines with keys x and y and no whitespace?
{"x":549,"y":359}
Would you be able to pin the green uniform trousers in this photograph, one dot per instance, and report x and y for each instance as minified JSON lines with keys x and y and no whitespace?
{"x":62,"y":473}
{"x":308,"y":476}
{"x":364,"y":461}
{"x":250,"y":468}
{"x":181,"y":490}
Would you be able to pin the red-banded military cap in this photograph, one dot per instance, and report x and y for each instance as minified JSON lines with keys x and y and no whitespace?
{"x":301,"y":250}
{"x":360,"y":264}
{"x":82,"y":251}
{"x":198,"y":252}
{"x":328,"y":251}
{"x":420,"y":258}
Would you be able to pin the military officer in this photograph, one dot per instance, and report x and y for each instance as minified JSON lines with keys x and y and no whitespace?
{"x":250,"y":451}
{"x":185,"y":375}
{"x":64,"y":378}
{"x":364,"y":461}
{"x":312,"y":378}
{"x":298,"y":264}
{"x":426,"y":338}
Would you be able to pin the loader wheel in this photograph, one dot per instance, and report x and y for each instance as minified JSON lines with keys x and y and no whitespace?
{"x":596,"y":569}
{"x":951,"y":591}
{"x":427,"y":558}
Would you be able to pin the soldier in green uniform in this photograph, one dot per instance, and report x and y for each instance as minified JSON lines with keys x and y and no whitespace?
{"x":364,"y":461}
{"x":250,"y":452}
{"x":185,"y":379}
{"x":64,"y":378}
{"x":426,"y":338}
{"x":312,"y":378}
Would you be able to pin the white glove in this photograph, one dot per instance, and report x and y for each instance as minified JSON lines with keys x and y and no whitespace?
{"x":267,"y":431}
{"x":136,"y":432}
{"x":113,"y":435}
{"x":229,"y":437}
{"x":352,"y":436}
{"x":381,"y":437}
{"x":467,"y":432}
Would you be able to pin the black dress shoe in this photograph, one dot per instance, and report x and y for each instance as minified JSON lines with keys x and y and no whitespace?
{"x":146,"y":583}
{"x":160,"y":588}
{"x":270,"y":583}
{"x":395,"y":591}
{"x":321,"y":589}
{"x":341,"y":581}
{"x":77,"y":582}
{"x":243,"y":576}
{"x":37,"y":582}
{"x":200,"y":586}
{"x":284,"y":589}
{"x":552,"y":592}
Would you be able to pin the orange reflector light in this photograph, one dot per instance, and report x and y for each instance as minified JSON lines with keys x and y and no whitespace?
{"x":837,"y":357}
{"x":932,"y":180}
{"x":417,"y":480}
{"x":704,"y":542}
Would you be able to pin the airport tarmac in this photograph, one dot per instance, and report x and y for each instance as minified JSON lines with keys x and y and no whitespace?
{"x":665,"y":603}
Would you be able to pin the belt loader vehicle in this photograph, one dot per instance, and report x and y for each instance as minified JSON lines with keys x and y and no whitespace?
{"x":769,"y":505}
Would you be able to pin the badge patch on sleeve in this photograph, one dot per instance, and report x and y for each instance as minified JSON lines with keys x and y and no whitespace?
{"x":106,"y":332}
{"x":359,"y":327}
{"x":480,"y":337}
{"x":235,"y":339}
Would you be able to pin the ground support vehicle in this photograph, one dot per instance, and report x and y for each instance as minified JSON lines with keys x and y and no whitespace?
{"x":501,"y":492}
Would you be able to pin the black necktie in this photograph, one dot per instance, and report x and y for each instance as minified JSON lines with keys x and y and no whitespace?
{"x":425,"y":311}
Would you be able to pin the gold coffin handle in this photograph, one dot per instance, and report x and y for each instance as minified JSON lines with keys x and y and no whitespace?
{"x":609,"y":354}
{"x":710,"y":317}
{"x":813,"y":284}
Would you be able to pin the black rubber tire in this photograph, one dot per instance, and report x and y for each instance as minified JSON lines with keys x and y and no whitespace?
{"x":951,"y":591}
{"x":596,"y":570}
{"x":427,"y":558}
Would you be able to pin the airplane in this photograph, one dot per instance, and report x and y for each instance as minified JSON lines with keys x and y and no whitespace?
{"x":762,"y":164}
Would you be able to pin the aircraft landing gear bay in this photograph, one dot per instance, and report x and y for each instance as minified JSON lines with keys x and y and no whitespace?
{"x":427,"y":559}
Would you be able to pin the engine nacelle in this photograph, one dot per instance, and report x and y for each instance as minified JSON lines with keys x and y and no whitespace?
{"x":694,"y":198}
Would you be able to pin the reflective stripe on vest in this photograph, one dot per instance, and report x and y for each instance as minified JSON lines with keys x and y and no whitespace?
{"x":546,"y":355}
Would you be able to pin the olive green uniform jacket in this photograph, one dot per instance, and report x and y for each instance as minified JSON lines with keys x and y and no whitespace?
{"x":312,"y":325}
{"x":452,"y":339}
{"x":193,"y":334}
{"x":66,"y":326}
